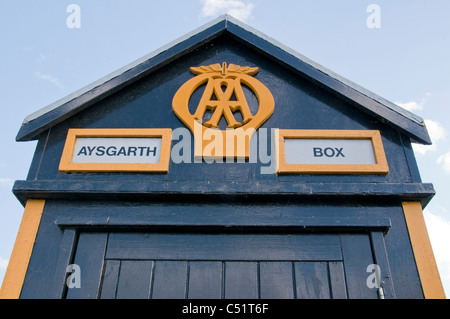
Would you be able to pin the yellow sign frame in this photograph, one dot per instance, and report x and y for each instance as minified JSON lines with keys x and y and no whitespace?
{"x":66,"y":165}
{"x":381,"y":166}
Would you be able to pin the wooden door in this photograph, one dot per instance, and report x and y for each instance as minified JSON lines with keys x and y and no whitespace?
{"x":235,"y":265}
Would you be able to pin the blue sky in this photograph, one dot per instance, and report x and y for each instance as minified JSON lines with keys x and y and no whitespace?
{"x":404,"y":61}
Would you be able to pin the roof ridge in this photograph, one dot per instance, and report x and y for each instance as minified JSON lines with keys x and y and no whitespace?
{"x":52,"y":114}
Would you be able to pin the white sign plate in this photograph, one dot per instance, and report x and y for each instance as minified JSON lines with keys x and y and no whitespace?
{"x":117,"y":150}
{"x":329,"y":151}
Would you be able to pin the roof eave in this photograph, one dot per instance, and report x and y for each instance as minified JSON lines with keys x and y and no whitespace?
{"x":407,"y":122}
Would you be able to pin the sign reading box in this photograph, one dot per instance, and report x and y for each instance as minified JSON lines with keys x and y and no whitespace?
{"x":116,"y":150}
{"x":330,"y":152}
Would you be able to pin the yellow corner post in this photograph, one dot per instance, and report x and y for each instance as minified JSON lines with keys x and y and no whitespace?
{"x":23,"y":246}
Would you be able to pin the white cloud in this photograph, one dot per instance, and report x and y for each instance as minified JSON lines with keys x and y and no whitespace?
{"x":439,"y":233}
{"x":411,"y":106}
{"x":444,"y":161}
{"x":235,"y":8}
{"x":49,"y":78}
{"x":437,"y":133}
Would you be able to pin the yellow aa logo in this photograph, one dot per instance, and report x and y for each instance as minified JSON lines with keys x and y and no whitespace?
{"x":224,"y":97}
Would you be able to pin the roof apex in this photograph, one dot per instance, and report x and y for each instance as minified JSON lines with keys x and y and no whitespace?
{"x":408,"y":123}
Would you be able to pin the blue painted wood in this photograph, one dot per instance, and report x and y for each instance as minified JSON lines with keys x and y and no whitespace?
{"x":382,"y":261}
{"x":404,"y":272}
{"x":312,"y":280}
{"x":276,"y":280}
{"x":41,"y":147}
{"x":43,"y":267}
{"x":135,"y":279}
{"x":288,"y":222}
{"x":338,"y":286}
{"x":65,"y":257}
{"x":150,"y":108}
{"x":170,"y":280}
{"x":223,"y":246}
{"x":110,"y":279}
{"x":357,"y":257}
{"x":89,"y":257}
{"x":178,"y":275}
{"x":241,"y":280}
{"x":137,"y":190}
{"x":410,"y":158}
{"x":205,"y":280}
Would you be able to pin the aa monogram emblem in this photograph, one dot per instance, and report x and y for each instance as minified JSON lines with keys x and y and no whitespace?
{"x":223,"y":96}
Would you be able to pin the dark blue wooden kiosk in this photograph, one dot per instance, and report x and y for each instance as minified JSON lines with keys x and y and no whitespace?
{"x":133,"y":192}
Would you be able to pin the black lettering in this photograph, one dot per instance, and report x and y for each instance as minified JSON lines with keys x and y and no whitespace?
{"x":82,"y":151}
{"x":111,"y":151}
{"x":339,"y":152}
{"x":91,"y":150}
{"x":122,"y":151}
{"x":327,"y":152}
{"x":100,"y":151}
{"x":317,"y":152}
{"x":133,"y":150}
{"x":142,"y":148}
{"x":151,"y":151}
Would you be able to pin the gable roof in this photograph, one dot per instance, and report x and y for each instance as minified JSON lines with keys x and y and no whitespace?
{"x":408,"y":123}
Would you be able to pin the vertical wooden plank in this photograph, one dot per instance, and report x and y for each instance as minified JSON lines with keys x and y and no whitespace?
{"x":67,"y":250}
{"x":89,"y":257}
{"x":311,"y":280}
{"x":357,"y":255}
{"x":276,"y":280}
{"x":241,"y":280}
{"x":134,"y":279}
{"x":338,"y":287}
{"x":110,"y":279}
{"x":23,"y":247}
{"x":170,"y":280}
{"x":423,"y":252}
{"x":381,"y":259}
{"x":205,"y":280}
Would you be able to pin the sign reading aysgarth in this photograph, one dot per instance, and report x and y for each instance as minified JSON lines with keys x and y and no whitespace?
{"x":117,"y":150}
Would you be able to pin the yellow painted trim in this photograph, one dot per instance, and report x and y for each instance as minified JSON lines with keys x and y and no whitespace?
{"x":381,"y":167}
{"x":66,"y":164}
{"x":423,"y":252}
{"x":20,"y":257}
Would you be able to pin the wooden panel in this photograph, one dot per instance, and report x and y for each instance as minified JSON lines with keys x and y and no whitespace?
{"x":311,"y":280}
{"x":381,"y":259}
{"x":89,"y":257}
{"x":357,"y":254}
{"x":337,"y":280}
{"x":135,"y":279}
{"x":177,"y":269}
{"x":276,"y":280}
{"x":110,"y":279}
{"x":241,"y":280}
{"x":66,"y":253}
{"x":205,"y":280}
{"x":170,"y":279}
{"x":223,"y":247}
